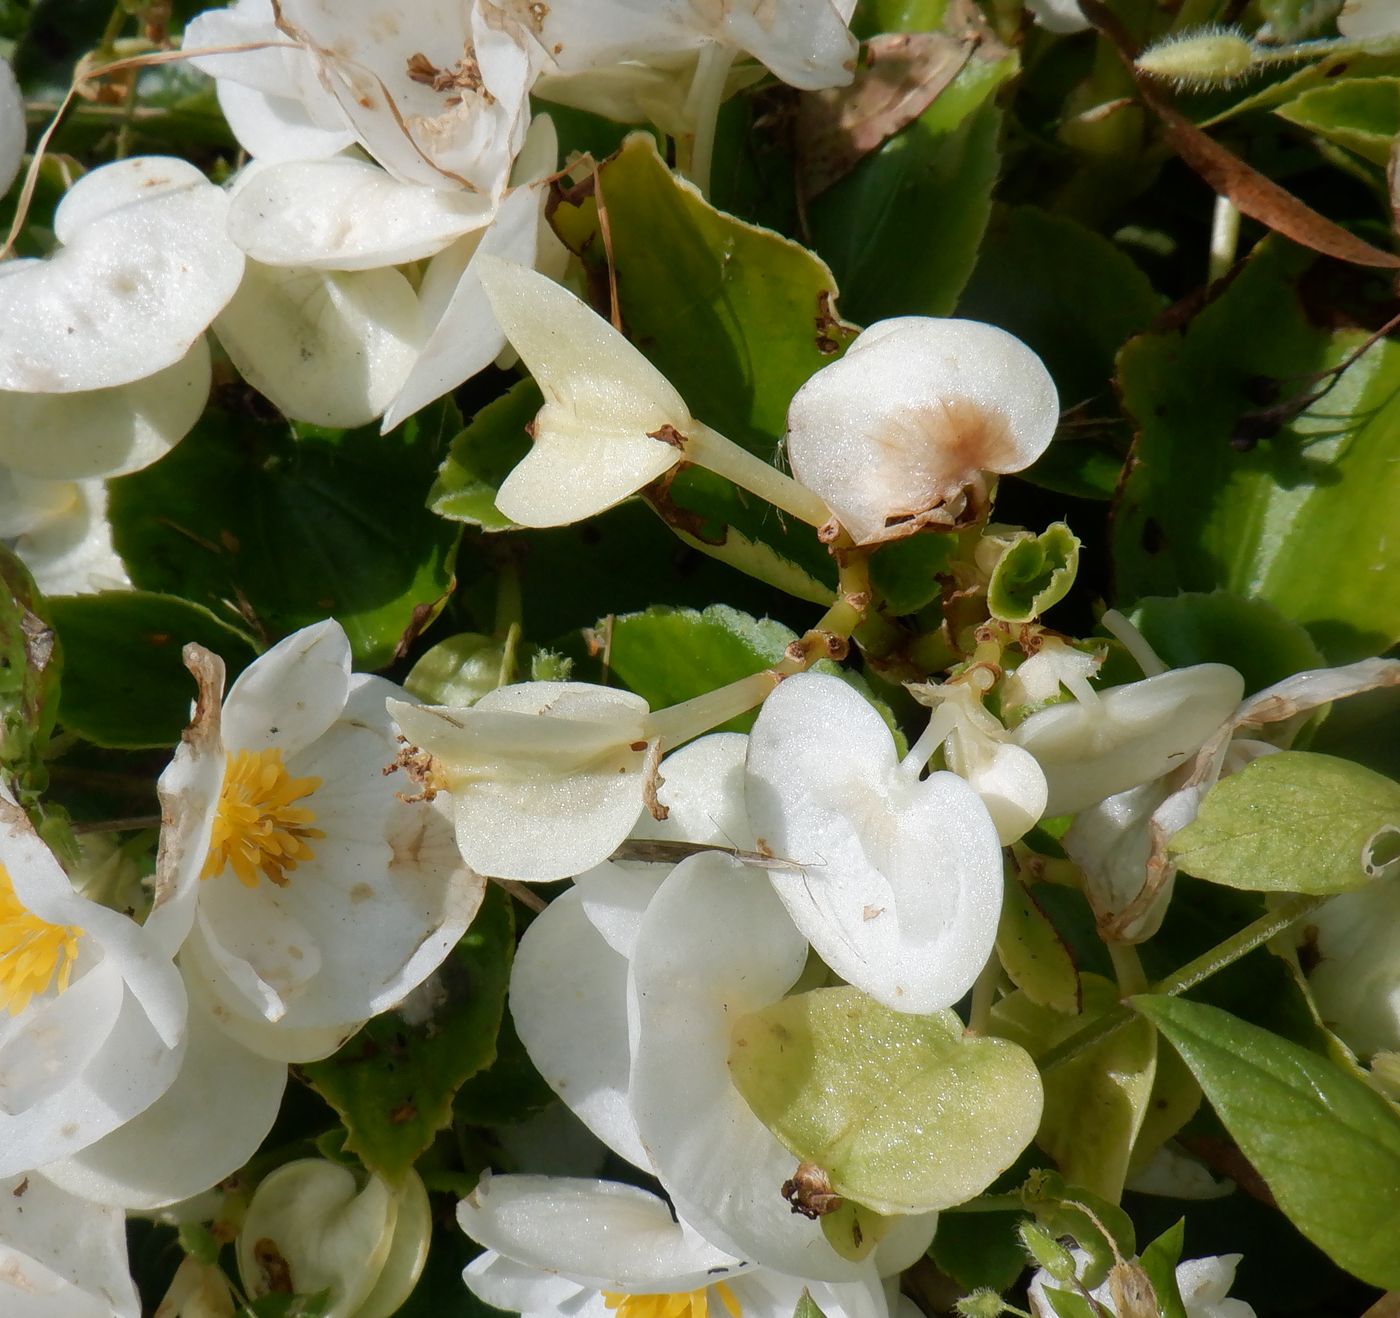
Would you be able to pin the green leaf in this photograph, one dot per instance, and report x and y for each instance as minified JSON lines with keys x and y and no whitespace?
{"x":1159,"y":1262}
{"x":483,"y":455}
{"x":1326,"y":1144}
{"x":1096,"y":1225}
{"x":1291,"y":822}
{"x":877,"y":16}
{"x":905,"y":573}
{"x":1222,"y":628}
{"x":463,"y":668}
{"x":507,"y":1091}
{"x":393,"y":1083}
{"x":279,"y":1305}
{"x":1034,"y":574}
{"x":903,"y":1113}
{"x":1033,"y":953}
{"x":669,"y":655}
{"x":1030,"y":267}
{"x":901,"y":230}
{"x":1361,"y":114}
{"x":1289,"y":520}
{"x":30,"y":664}
{"x":1094,"y":1104}
{"x":980,"y":1249}
{"x":278,"y":527}
{"x":125,"y":683}
{"x":807,"y":1307}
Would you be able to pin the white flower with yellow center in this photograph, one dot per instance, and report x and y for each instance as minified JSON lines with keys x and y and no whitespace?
{"x":59,"y":1256}
{"x":92,"y":1011}
{"x":314,"y":897}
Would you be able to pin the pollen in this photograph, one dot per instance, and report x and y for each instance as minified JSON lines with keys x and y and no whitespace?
{"x":33,"y":952}
{"x":259,"y":828}
{"x":685,"y":1304}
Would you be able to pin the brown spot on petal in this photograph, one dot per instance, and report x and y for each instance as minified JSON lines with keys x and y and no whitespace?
{"x":276,"y":1271}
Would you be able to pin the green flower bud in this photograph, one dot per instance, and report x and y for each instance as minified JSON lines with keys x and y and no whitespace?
{"x":1207,"y":57}
{"x":1046,"y":1251}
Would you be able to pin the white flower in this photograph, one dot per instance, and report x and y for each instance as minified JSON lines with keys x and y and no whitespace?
{"x":1356,"y":983}
{"x":1367,"y":20}
{"x":93,"y":1023}
{"x":895,"y":435}
{"x":59,"y":530}
{"x":546,"y":778}
{"x":59,"y":1256}
{"x":314,"y":897}
{"x":13,"y":131}
{"x":1204,"y":1284}
{"x":558,"y":1246}
{"x":900,"y":883}
{"x":1059,"y":15}
{"x":365,"y":1244}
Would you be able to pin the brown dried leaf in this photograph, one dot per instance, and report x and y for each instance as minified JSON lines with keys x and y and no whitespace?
{"x":900,"y":76}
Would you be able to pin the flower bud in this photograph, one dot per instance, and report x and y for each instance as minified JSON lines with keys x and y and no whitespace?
{"x":1204,"y":58}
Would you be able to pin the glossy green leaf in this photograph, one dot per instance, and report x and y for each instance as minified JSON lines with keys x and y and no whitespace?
{"x":903,"y":1113}
{"x":1094,"y":1104}
{"x":807,"y":1307}
{"x":1159,"y":1262}
{"x":30,"y":664}
{"x":1218,"y":627}
{"x":462,"y":669}
{"x":905,"y":573}
{"x":1326,"y":1144}
{"x":980,"y":1249}
{"x":1175,"y":1099}
{"x":1323,"y":72}
{"x":1030,"y":267}
{"x":483,"y":455}
{"x":1292,"y":822}
{"x":901,"y":230}
{"x":276,"y":527}
{"x":507,"y":1091}
{"x":393,"y":1083}
{"x":1033,"y":953}
{"x":877,"y":16}
{"x":1034,"y":574}
{"x":1361,"y":114}
{"x":1099,"y":1227}
{"x":1289,"y":520}
{"x":125,"y":683}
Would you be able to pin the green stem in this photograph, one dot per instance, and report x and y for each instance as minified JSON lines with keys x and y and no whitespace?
{"x":702,"y":109}
{"x":708,"y":448}
{"x":1253,"y":935}
{"x":984,"y":995}
{"x":1127,"y":968}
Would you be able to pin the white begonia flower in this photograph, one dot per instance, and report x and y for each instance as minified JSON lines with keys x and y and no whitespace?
{"x":1060,"y":16}
{"x":13,"y":130}
{"x":1007,"y":778}
{"x":1105,"y":742}
{"x":1039,"y":678}
{"x":1204,"y":1284}
{"x":1366,"y":20}
{"x":210,"y":1121}
{"x":558,"y":1246}
{"x":197,"y":1290}
{"x":271,"y":97}
{"x":59,"y":530}
{"x":546,"y":778}
{"x":61,"y":1257}
{"x":900,"y":883}
{"x":94,"y":1014}
{"x":314,"y":898}
{"x":1356,"y":982}
{"x":143,"y":267}
{"x":439,"y":98}
{"x":331,"y":348}
{"x":611,"y":422}
{"x":896,"y":435}
{"x":366,"y":1245}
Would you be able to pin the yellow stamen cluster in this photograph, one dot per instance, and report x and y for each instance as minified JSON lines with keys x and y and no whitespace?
{"x":32,"y":951}
{"x":685,"y":1304}
{"x":259,"y":828}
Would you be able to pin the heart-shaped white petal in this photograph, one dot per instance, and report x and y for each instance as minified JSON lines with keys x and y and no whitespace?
{"x":892,"y":433}
{"x":900,"y":886}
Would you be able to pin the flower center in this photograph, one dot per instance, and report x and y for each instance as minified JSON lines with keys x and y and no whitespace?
{"x":259,"y":827}
{"x":32,"y":951}
{"x":686,"y":1304}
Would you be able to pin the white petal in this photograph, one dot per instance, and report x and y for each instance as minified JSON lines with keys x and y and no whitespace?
{"x":61,"y":1257}
{"x":900,"y":890}
{"x":568,"y":999}
{"x":1059,"y":15}
{"x":465,"y":337}
{"x":292,"y":694}
{"x":105,"y":432}
{"x":716,"y":944}
{"x":910,"y":415}
{"x":69,"y":550}
{"x":144,"y":268}
{"x":345,"y":214}
{"x":275,"y":129}
{"x":603,"y":401}
{"x":202,"y":1129}
{"x":332,"y":349}
{"x":1130,"y":735}
{"x":505,"y":1284}
{"x":596,"y":1233}
{"x":1110,"y":842}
